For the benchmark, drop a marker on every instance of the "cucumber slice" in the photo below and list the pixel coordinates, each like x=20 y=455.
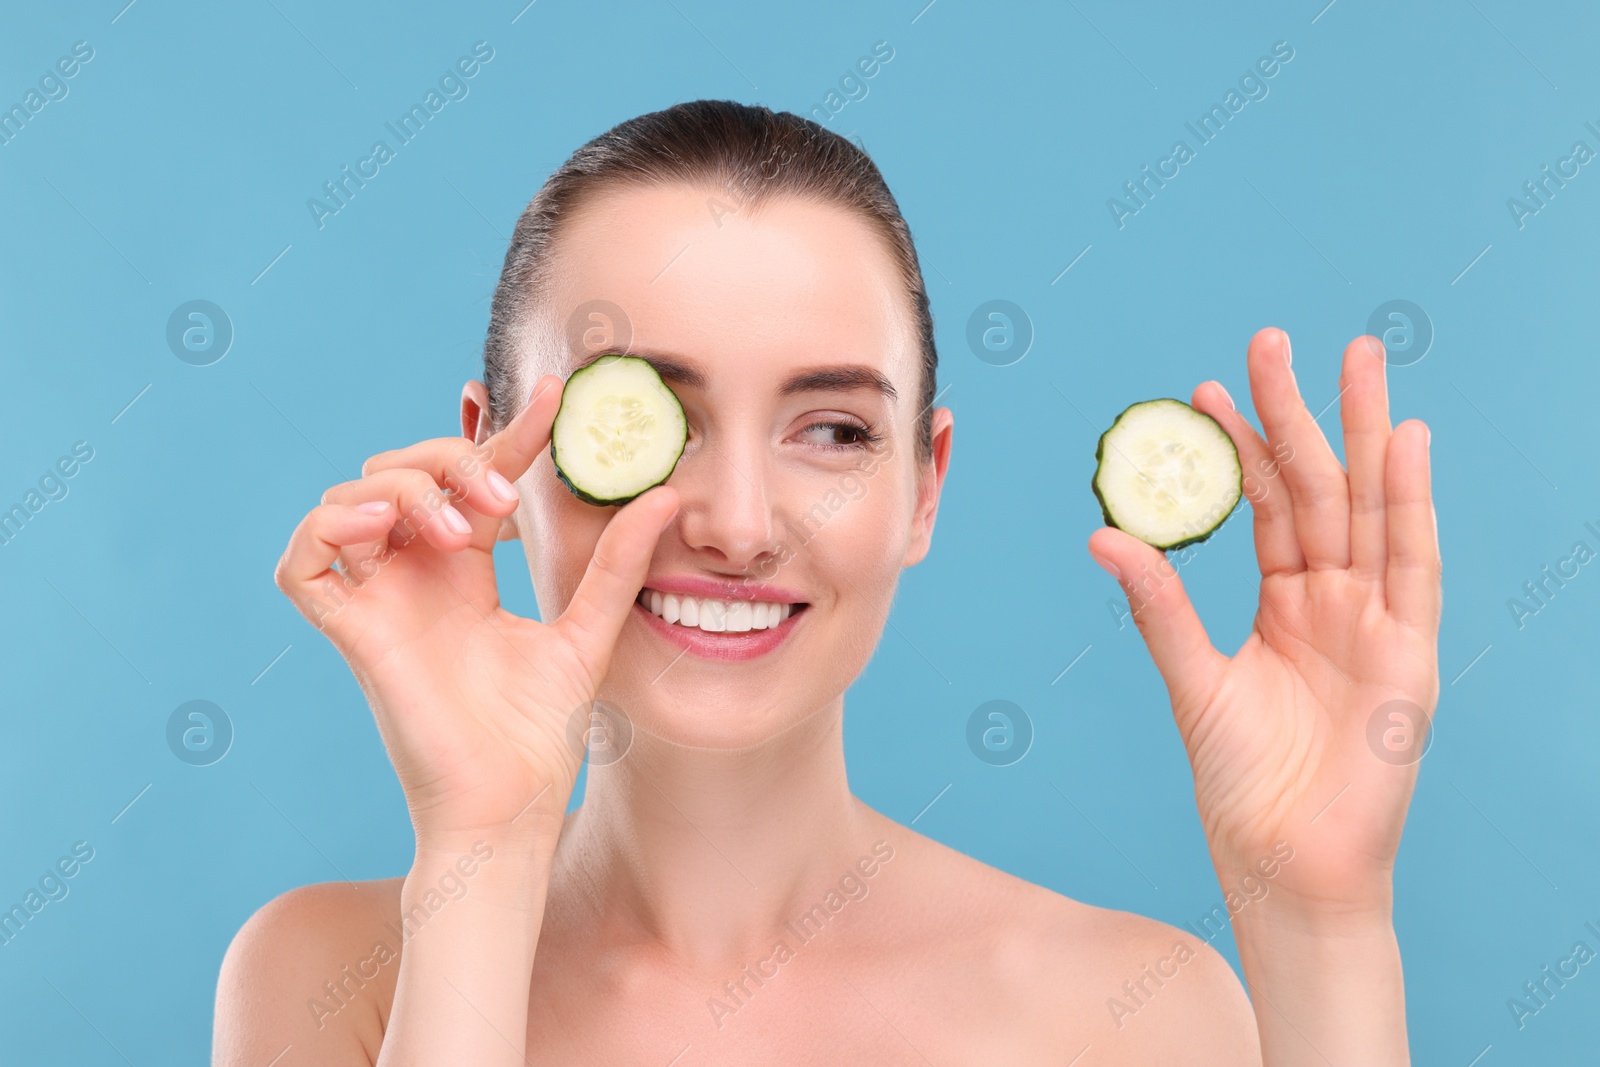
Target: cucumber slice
x=1167 y=474
x=619 y=431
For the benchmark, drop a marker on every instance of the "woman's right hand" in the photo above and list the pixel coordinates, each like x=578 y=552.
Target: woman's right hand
x=474 y=703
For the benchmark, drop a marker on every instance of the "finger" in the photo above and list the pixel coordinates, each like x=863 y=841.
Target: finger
x=1364 y=413
x=459 y=465
x=614 y=577
x=1413 y=572
x=423 y=507
x=316 y=543
x=1166 y=619
x=1317 y=486
x=513 y=450
x=360 y=562
x=1277 y=547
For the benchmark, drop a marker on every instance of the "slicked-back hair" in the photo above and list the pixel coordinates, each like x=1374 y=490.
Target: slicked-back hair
x=754 y=154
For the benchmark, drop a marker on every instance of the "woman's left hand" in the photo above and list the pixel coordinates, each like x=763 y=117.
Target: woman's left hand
x=1309 y=735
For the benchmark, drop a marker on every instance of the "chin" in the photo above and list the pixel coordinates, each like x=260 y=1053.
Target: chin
x=694 y=698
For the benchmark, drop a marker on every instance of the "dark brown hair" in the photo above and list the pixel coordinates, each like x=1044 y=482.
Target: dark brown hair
x=755 y=154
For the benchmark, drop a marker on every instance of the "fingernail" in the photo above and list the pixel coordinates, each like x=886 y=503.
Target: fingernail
x=1288 y=350
x=668 y=521
x=455 y=520
x=501 y=488
x=374 y=507
x=1110 y=568
x=1225 y=396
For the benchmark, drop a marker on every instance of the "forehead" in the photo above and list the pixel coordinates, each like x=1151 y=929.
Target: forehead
x=694 y=270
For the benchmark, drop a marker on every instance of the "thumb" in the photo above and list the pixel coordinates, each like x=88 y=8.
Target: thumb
x=1161 y=609
x=614 y=577
x=516 y=447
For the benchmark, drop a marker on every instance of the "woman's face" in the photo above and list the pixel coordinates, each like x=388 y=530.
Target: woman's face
x=787 y=334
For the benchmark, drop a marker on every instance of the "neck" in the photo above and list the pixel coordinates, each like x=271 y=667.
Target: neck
x=709 y=852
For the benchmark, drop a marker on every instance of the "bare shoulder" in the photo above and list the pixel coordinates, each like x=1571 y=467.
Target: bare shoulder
x=1071 y=975
x=310 y=977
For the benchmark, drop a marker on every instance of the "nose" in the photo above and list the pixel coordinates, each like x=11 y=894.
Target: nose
x=726 y=510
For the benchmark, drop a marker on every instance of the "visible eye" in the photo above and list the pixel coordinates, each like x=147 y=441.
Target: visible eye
x=840 y=435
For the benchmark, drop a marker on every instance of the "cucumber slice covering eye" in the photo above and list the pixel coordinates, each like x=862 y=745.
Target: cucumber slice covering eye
x=619 y=431
x=1167 y=474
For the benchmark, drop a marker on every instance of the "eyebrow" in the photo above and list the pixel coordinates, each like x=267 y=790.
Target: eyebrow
x=843 y=377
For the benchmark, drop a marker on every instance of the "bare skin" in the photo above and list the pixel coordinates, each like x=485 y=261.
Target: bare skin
x=629 y=931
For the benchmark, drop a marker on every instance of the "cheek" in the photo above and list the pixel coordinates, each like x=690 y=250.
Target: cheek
x=857 y=552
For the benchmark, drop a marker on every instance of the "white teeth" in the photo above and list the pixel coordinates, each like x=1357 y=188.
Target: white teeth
x=714 y=616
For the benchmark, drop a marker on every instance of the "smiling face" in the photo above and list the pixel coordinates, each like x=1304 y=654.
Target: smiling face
x=786 y=332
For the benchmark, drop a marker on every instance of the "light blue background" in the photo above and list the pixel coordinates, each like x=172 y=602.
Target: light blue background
x=179 y=167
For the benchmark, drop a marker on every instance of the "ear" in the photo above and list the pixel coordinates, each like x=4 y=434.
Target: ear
x=930 y=482
x=478 y=427
x=475 y=423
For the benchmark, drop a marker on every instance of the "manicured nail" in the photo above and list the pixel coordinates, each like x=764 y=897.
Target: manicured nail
x=455 y=520
x=501 y=488
x=374 y=507
x=1225 y=396
x=1288 y=350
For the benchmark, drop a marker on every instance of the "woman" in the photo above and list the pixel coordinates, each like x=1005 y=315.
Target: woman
x=720 y=896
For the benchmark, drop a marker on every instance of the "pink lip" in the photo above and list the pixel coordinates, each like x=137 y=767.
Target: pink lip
x=729 y=648
x=696 y=585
